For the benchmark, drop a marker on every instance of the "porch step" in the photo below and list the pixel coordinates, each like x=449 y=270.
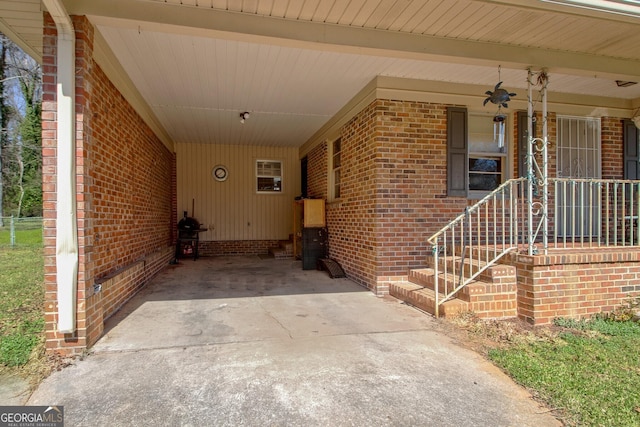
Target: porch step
x=493 y=274
x=284 y=251
x=492 y=299
x=477 y=252
x=425 y=299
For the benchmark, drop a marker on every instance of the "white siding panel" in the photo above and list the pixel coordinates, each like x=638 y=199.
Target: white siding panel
x=232 y=210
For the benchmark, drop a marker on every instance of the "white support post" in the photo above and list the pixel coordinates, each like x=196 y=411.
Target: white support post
x=545 y=167
x=530 y=171
x=537 y=174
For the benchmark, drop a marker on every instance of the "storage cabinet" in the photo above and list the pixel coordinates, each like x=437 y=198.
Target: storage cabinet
x=309 y=232
x=314 y=247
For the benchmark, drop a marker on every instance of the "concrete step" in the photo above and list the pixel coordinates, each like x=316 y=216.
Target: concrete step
x=424 y=299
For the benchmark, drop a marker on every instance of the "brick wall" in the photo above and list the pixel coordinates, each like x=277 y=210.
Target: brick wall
x=393 y=190
x=612 y=148
x=317 y=185
x=236 y=247
x=575 y=284
x=125 y=194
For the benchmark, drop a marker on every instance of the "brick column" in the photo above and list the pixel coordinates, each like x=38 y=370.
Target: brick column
x=89 y=322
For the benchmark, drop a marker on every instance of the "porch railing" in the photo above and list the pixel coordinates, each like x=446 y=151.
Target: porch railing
x=582 y=213
x=478 y=238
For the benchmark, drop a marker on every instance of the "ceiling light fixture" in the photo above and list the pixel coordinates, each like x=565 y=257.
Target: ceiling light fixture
x=244 y=116
x=622 y=83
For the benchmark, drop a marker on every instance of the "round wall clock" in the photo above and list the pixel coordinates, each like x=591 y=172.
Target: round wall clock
x=220 y=173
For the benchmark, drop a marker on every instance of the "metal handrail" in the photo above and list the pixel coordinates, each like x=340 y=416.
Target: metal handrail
x=492 y=224
x=582 y=212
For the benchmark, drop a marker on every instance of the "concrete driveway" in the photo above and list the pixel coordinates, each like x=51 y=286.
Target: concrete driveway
x=260 y=342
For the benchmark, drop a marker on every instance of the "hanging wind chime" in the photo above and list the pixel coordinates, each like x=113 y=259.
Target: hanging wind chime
x=500 y=97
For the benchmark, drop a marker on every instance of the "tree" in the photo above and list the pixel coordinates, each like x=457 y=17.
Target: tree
x=21 y=132
x=3 y=121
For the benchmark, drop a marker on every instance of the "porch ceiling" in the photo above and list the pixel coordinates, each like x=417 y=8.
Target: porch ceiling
x=195 y=65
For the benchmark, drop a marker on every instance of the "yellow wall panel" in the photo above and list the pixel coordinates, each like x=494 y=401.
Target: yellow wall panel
x=232 y=209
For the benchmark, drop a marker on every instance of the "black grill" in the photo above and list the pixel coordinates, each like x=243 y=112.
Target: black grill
x=188 y=237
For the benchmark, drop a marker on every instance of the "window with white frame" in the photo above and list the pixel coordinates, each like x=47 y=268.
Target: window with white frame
x=268 y=176
x=336 y=163
x=487 y=152
x=477 y=152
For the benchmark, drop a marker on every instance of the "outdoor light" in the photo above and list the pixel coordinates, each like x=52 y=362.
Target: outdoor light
x=244 y=116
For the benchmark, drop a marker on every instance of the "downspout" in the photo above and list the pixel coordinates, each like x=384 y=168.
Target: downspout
x=66 y=218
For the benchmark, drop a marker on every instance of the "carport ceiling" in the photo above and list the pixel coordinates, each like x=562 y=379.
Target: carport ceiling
x=292 y=64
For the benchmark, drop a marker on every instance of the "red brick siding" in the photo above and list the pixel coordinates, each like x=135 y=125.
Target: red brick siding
x=131 y=176
x=317 y=184
x=237 y=247
x=125 y=195
x=612 y=148
x=352 y=220
x=575 y=285
x=393 y=190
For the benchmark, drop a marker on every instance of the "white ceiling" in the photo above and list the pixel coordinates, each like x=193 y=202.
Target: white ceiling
x=294 y=63
x=197 y=86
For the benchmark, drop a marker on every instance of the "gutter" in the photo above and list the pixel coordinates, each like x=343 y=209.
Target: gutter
x=66 y=211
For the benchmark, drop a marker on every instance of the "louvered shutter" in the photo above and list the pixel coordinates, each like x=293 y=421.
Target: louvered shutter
x=631 y=156
x=457 y=152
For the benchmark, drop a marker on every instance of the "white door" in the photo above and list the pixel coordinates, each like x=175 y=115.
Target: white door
x=578 y=156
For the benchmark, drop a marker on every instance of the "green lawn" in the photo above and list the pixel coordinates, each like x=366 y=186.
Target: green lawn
x=21 y=300
x=24 y=237
x=590 y=371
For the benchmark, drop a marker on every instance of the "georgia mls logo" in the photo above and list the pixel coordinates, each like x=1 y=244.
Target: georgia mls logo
x=31 y=416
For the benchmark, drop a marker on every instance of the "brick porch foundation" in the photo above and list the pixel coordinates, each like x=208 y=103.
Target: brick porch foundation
x=576 y=283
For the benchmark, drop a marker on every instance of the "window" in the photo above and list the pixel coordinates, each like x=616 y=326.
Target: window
x=268 y=176
x=476 y=160
x=336 y=150
x=487 y=159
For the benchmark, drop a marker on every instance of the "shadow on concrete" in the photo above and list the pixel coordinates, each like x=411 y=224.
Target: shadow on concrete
x=224 y=278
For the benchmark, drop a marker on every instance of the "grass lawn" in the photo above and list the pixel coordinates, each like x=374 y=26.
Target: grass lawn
x=21 y=299
x=591 y=372
x=27 y=237
x=587 y=372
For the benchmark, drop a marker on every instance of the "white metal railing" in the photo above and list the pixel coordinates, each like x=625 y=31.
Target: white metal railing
x=594 y=212
x=582 y=213
x=479 y=237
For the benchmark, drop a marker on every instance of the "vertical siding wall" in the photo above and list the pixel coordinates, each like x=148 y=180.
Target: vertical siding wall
x=124 y=195
x=232 y=210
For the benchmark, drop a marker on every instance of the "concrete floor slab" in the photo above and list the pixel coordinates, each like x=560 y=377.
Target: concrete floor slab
x=245 y=341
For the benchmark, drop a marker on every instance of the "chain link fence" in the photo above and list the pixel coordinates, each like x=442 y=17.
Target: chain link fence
x=20 y=231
